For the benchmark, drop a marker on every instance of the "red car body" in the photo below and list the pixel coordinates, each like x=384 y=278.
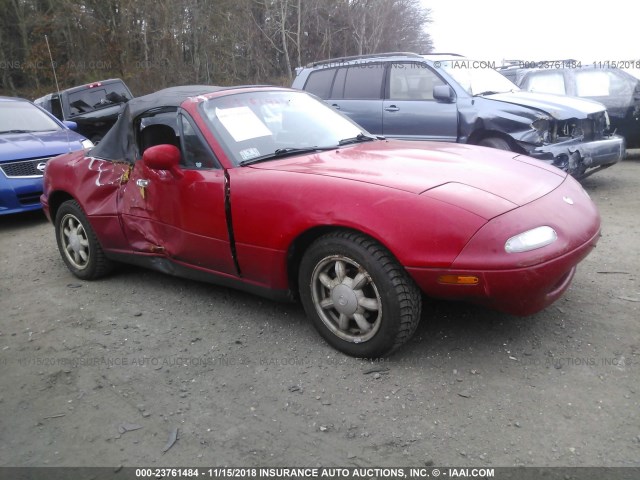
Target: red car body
x=444 y=211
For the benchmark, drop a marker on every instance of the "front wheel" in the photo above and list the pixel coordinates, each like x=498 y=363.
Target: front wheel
x=358 y=296
x=78 y=243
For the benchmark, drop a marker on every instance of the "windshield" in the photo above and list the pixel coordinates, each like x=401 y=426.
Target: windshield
x=481 y=80
x=22 y=116
x=259 y=124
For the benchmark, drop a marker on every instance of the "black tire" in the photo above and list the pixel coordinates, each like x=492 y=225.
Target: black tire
x=78 y=244
x=495 y=142
x=380 y=304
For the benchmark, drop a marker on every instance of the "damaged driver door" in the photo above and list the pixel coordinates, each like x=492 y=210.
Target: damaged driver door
x=177 y=213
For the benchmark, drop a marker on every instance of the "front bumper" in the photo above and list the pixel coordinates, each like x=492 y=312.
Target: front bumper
x=19 y=194
x=577 y=157
x=521 y=283
x=518 y=291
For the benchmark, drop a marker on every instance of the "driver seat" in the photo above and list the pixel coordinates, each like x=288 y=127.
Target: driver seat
x=158 y=134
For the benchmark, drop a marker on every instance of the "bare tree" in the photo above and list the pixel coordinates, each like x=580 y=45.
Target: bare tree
x=156 y=43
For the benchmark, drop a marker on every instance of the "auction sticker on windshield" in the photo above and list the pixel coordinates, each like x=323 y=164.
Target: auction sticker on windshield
x=242 y=123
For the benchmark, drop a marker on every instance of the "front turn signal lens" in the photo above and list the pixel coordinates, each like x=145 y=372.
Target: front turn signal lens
x=458 y=279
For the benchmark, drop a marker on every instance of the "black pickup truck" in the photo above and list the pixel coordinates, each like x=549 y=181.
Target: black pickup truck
x=94 y=107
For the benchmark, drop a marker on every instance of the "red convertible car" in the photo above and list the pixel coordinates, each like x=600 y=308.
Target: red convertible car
x=269 y=190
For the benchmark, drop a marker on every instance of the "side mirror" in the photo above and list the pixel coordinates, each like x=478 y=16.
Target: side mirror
x=163 y=157
x=443 y=93
x=70 y=125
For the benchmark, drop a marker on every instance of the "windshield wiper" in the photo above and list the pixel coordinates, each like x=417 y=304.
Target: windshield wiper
x=361 y=137
x=16 y=131
x=488 y=92
x=282 y=152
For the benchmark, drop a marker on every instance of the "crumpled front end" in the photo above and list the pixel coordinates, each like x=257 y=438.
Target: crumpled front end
x=580 y=147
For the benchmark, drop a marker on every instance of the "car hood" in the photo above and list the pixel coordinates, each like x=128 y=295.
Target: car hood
x=18 y=146
x=421 y=167
x=560 y=107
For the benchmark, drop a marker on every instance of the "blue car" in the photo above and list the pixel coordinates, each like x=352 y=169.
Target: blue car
x=29 y=137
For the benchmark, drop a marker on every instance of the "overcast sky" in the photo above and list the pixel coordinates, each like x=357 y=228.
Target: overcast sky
x=537 y=30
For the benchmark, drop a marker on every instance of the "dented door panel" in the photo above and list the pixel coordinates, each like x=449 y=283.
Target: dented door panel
x=180 y=218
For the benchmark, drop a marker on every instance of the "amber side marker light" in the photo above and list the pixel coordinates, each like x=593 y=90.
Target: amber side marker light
x=458 y=279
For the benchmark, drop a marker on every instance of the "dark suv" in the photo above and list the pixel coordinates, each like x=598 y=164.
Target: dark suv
x=453 y=99
x=615 y=89
x=94 y=107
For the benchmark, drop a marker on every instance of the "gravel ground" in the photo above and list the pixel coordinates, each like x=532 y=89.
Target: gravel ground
x=102 y=373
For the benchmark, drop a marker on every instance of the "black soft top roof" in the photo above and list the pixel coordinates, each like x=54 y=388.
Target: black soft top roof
x=118 y=144
x=169 y=97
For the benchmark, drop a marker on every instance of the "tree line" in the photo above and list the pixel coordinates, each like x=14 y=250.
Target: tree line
x=153 y=44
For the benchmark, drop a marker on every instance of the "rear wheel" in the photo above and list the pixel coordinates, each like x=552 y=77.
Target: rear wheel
x=78 y=243
x=358 y=296
x=495 y=142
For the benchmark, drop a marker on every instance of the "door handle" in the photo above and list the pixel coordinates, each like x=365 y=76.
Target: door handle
x=142 y=184
x=391 y=108
x=336 y=106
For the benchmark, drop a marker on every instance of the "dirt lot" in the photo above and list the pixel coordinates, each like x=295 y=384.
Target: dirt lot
x=249 y=382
